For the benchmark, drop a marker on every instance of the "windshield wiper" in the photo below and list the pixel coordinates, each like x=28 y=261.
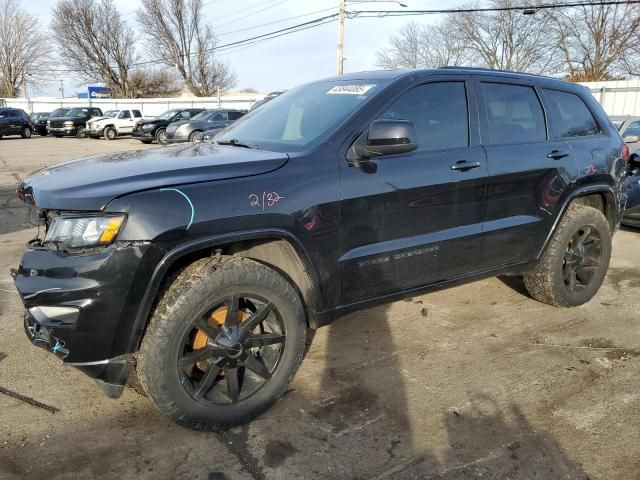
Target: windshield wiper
x=233 y=142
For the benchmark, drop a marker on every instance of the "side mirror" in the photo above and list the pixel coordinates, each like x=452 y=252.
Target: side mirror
x=387 y=137
x=631 y=139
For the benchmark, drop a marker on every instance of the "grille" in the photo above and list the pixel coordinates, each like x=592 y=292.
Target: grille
x=56 y=124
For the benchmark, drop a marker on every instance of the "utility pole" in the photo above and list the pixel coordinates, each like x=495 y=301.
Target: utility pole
x=61 y=89
x=340 y=69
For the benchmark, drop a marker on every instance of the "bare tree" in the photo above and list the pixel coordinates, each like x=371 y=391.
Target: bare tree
x=94 y=40
x=154 y=83
x=423 y=46
x=176 y=30
x=597 y=42
x=23 y=49
x=505 y=39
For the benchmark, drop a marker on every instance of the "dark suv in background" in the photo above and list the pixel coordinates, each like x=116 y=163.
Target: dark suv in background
x=40 y=123
x=73 y=122
x=151 y=129
x=14 y=121
x=202 y=266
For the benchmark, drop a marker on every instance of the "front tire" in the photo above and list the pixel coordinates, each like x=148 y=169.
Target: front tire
x=110 y=133
x=161 y=136
x=576 y=260
x=81 y=132
x=223 y=343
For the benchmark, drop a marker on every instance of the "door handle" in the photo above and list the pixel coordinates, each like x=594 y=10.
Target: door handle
x=557 y=154
x=464 y=165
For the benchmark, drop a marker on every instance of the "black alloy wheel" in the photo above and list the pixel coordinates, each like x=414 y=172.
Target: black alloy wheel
x=582 y=258
x=231 y=351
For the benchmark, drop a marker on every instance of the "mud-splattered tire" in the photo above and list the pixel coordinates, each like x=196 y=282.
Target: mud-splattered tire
x=241 y=376
x=576 y=260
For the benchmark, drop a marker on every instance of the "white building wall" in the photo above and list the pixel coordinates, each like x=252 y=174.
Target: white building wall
x=618 y=97
x=150 y=107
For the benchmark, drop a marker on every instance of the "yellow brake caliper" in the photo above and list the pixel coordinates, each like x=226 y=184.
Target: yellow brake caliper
x=216 y=319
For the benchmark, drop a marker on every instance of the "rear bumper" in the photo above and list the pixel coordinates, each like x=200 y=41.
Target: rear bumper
x=631 y=217
x=176 y=137
x=82 y=307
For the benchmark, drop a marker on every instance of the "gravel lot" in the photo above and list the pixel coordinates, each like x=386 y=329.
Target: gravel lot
x=474 y=381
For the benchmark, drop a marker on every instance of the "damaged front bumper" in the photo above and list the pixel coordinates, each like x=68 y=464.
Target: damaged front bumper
x=81 y=307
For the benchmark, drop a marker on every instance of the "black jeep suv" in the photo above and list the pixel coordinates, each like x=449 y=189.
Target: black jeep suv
x=151 y=129
x=201 y=266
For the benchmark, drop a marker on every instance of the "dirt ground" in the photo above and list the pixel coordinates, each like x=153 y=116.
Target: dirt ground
x=478 y=381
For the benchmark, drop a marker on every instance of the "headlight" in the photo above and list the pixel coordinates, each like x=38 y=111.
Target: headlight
x=148 y=126
x=84 y=231
x=69 y=124
x=49 y=122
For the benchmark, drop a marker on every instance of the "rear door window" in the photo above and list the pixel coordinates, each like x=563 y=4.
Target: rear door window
x=220 y=117
x=235 y=115
x=632 y=129
x=514 y=114
x=570 y=116
x=439 y=112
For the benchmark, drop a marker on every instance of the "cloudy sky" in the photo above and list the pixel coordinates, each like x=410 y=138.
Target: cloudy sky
x=283 y=62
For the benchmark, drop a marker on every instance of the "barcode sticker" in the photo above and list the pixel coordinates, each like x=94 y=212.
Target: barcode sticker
x=350 y=89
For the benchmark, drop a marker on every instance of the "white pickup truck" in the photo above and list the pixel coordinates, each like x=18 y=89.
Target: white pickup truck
x=113 y=123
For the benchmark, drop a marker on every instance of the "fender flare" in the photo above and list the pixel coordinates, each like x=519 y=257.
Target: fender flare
x=579 y=192
x=173 y=255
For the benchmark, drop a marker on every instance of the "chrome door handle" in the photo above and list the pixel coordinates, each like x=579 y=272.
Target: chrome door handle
x=463 y=165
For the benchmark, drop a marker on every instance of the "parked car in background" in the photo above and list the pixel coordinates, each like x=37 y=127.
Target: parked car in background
x=73 y=123
x=270 y=96
x=193 y=130
x=40 y=124
x=629 y=128
x=113 y=124
x=15 y=121
x=151 y=129
x=632 y=213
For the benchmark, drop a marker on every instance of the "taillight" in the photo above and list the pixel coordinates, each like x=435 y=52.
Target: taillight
x=624 y=152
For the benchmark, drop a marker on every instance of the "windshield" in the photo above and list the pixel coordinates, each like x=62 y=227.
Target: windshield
x=77 y=112
x=206 y=115
x=167 y=115
x=111 y=113
x=60 y=112
x=302 y=116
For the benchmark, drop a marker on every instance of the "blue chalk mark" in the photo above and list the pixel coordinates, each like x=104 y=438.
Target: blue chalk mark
x=193 y=210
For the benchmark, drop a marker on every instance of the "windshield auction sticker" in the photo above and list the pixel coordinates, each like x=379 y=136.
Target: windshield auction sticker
x=350 y=89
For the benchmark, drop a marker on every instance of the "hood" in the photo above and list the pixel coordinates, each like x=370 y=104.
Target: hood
x=65 y=119
x=191 y=123
x=97 y=119
x=144 y=121
x=91 y=183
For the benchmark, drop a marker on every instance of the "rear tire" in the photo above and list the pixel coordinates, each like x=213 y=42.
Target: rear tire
x=249 y=370
x=576 y=260
x=26 y=132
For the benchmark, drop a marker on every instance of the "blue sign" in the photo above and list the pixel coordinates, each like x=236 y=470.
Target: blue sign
x=99 y=92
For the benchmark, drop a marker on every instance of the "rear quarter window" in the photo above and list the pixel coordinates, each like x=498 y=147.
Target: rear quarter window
x=570 y=117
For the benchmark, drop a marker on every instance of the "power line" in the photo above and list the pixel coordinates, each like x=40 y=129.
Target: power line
x=316 y=22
